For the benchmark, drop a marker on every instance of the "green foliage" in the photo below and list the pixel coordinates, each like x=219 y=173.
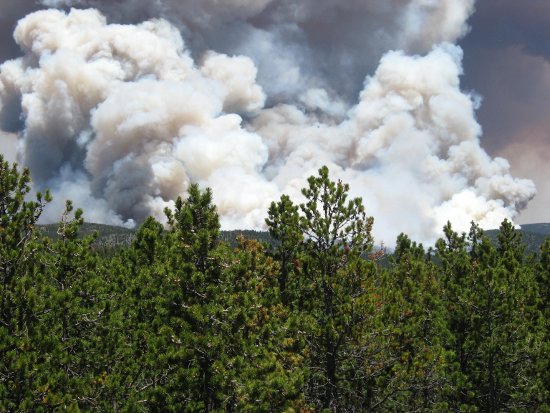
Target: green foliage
x=176 y=320
x=73 y=316
x=283 y=223
x=497 y=334
x=414 y=316
x=20 y=289
x=325 y=238
x=543 y=282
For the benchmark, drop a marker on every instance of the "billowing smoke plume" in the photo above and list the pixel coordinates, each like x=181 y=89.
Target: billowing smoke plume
x=297 y=45
x=250 y=98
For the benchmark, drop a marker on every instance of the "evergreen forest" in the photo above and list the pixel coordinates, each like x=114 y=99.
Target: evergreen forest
x=319 y=321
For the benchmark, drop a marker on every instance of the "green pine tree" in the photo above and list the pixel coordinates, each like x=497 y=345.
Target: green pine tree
x=411 y=371
x=495 y=324
x=327 y=238
x=20 y=289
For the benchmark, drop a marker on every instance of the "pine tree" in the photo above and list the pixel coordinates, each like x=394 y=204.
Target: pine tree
x=196 y=303
x=262 y=338
x=491 y=295
x=543 y=281
x=411 y=371
x=283 y=223
x=20 y=288
x=137 y=336
x=74 y=312
x=331 y=279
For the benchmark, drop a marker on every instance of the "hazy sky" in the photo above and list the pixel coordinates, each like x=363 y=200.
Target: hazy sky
x=93 y=129
x=507 y=61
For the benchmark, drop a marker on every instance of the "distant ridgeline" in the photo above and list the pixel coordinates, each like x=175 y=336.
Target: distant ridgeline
x=533 y=236
x=110 y=237
x=113 y=237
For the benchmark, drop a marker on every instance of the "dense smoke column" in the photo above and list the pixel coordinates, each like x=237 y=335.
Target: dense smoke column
x=122 y=118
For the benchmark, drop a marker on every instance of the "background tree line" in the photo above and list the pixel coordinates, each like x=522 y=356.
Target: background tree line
x=181 y=321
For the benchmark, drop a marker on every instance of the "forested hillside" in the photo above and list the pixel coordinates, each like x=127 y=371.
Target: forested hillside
x=180 y=321
x=110 y=238
x=533 y=236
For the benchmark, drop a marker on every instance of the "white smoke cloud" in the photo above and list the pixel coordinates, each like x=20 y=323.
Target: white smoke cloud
x=410 y=148
x=121 y=118
x=8 y=146
x=300 y=45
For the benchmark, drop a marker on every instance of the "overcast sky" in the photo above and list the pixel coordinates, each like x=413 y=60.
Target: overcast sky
x=506 y=62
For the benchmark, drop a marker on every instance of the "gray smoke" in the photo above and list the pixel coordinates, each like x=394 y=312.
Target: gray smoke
x=299 y=45
x=250 y=98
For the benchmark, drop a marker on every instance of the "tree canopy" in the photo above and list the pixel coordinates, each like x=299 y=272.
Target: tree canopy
x=181 y=321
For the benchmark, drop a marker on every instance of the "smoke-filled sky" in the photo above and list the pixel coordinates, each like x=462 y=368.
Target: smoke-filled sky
x=430 y=110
